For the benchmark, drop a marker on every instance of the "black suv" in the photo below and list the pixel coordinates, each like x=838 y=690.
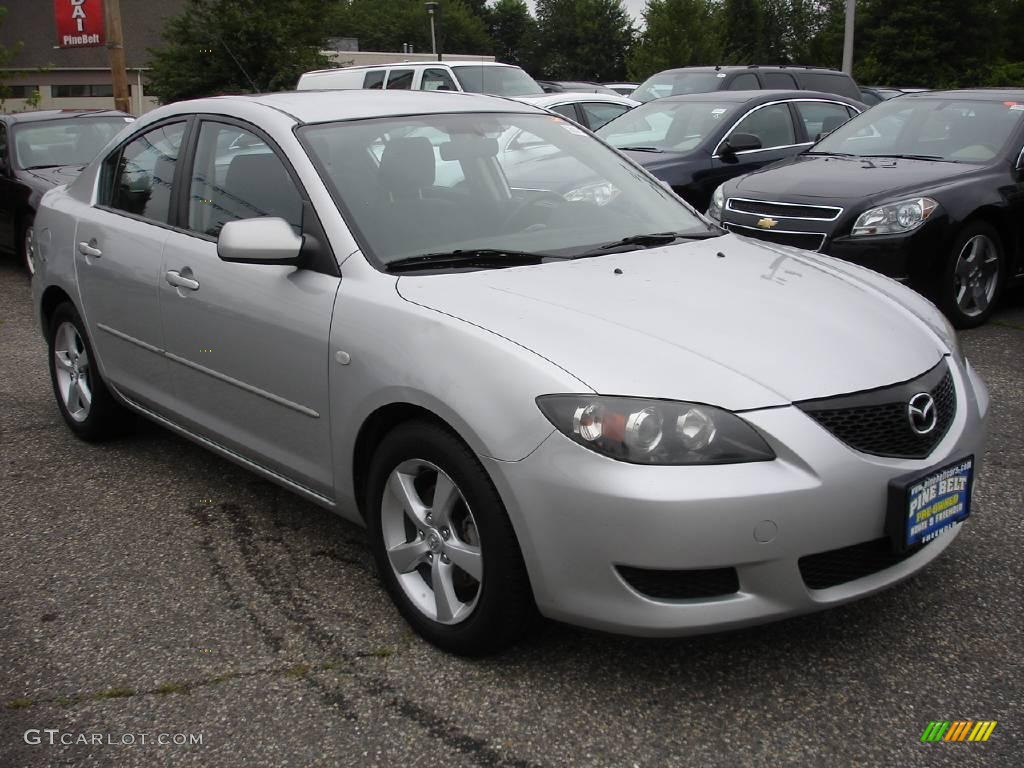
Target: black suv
x=677 y=82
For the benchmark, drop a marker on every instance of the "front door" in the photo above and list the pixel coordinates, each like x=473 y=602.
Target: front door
x=248 y=344
x=119 y=253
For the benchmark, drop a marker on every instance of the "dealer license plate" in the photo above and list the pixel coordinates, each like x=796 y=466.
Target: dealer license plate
x=922 y=507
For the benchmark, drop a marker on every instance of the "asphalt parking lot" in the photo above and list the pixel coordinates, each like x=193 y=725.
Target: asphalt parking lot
x=148 y=587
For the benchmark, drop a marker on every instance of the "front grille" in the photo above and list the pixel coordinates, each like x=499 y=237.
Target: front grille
x=784 y=210
x=838 y=566
x=878 y=421
x=809 y=241
x=681 y=585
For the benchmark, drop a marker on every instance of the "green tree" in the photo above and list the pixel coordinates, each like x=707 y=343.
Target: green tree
x=584 y=39
x=514 y=32
x=384 y=25
x=226 y=46
x=743 y=32
x=677 y=33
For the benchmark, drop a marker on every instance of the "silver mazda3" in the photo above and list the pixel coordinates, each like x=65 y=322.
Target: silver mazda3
x=540 y=380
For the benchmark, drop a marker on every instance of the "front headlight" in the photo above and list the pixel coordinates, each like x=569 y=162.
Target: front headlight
x=894 y=218
x=598 y=194
x=655 y=431
x=717 y=205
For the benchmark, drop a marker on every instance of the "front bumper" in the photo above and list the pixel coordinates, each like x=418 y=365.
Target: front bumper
x=916 y=258
x=579 y=514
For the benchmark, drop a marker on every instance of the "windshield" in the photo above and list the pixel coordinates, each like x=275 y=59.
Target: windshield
x=668 y=126
x=676 y=84
x=513 y=182
x=963 y=131
x=500 y=81
x=65 y=141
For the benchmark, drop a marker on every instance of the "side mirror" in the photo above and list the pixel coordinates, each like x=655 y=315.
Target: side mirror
x=266 y=240
x=739 y=142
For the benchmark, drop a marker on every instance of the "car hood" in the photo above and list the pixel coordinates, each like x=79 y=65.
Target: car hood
x=725 y=321
x=845 y=178
x=47 y=178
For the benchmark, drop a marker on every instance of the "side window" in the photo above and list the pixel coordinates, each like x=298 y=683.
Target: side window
x=437 y=80
x=567 y=110
x=820 y=117
x=143 y=172
x=374 y=79
x=237 y=176
x=772 y=125
x=598 y=113
x=781 y=80
x=745 y=82
x=3 y=146
x=400 y=79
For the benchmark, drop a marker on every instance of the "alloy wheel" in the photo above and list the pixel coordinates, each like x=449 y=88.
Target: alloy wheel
x=431 y=541
x=72 y=370
x=976 y=275
x=28 y=245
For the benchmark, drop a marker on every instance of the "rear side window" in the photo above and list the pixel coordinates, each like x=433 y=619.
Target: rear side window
x=437 y=80
x=598 y=113
x=829 y=82
x=566 y=110
x=374 y=79
x=745 y=82
x=821 y=117
x=780 y=80
x=400 y=79
x=143 y=172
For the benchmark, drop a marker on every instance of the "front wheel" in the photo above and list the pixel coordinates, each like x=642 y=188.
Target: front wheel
x=443 y=543
x=973 y=277
x=26 y=247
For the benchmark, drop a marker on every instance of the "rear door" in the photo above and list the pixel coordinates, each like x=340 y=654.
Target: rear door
x=119 y=253
x=248 y=344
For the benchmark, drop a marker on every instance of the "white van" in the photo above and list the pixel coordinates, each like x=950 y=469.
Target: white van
x=474 y=76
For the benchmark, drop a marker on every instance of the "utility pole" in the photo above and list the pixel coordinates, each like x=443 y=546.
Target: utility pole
x=434 y=10
x=851 y=6
x=115 y=44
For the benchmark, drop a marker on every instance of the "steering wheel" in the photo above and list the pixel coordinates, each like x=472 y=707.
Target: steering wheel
x=548 y=199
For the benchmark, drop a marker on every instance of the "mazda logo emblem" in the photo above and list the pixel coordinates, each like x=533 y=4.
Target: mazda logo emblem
x=922 y=413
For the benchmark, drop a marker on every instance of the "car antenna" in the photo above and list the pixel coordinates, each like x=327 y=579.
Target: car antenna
x=237 y=63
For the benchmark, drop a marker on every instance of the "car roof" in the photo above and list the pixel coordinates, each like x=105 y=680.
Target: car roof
x=743 y=97
x=447 y=63
x=751 y=68
x=60 y=114
x=321 y=106
x=976 y=94
x=547 y=99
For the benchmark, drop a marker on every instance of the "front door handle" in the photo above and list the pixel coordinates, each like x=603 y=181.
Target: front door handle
x=178 y=280
x=90 y=249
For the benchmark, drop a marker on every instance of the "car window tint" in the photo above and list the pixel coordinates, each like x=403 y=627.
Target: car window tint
x=237 y=176
x=598 y=113
x=3 y=144
x=566 y=110
x=782 y=80
x=820 y=117
x=400 y=79
x=772 y=125
x=745 y=82
x=829 y=83
x=437 y=80
x=374 y=79
x=145 y=171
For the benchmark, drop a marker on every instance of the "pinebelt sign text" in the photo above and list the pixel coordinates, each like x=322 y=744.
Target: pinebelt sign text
x=79 y=23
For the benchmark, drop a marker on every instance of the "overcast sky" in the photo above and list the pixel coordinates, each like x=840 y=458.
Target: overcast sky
x=633 y=6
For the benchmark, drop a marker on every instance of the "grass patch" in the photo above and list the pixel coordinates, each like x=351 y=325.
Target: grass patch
x=19 y=703
x=167 y=688
x=384 y=652
x=115 y=693
x=299 y=671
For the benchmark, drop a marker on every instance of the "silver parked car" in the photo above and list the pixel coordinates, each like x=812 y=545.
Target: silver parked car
x=588 y=401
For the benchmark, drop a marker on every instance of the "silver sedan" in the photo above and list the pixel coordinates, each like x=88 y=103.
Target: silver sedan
x=544 y=387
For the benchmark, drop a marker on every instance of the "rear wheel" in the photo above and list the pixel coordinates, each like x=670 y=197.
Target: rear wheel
x=86 y=404
x=974 y=276
x=443 y=543
x=26 y=246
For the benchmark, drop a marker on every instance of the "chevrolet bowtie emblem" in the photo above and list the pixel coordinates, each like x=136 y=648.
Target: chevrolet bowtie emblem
x=767 y=223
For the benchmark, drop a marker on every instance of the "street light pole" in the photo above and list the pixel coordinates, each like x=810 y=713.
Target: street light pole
x=851 y=6
x=432 y=9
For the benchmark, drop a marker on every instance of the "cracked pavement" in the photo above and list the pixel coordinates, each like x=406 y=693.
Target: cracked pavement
x=149 y=587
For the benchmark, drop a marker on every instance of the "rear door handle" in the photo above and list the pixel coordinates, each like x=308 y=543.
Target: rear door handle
x=89 y=249
x=178 y=280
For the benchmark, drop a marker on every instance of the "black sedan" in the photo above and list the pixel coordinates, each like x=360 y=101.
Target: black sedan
x=38 y=151
x=927 y=188
x=696 y=142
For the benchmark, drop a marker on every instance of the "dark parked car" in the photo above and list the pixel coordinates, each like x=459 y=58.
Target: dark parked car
x=685 y=80
x=927 y=188
x=38 y=151
x=876 y=94
x=694 y=143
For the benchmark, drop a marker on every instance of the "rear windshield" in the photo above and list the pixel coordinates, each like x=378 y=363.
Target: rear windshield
x=500 y=81
x=676 y=83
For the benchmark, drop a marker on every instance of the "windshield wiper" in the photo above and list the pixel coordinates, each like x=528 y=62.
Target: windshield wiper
x=470 y=257
x=51 y=165
x=910 y=157
x=650 y=240
x=833 y=154
x=642 y=149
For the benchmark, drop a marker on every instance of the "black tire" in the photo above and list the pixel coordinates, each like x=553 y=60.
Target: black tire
x=20 y=247
x=105 y=417
x=504 y=608
x=951 y=283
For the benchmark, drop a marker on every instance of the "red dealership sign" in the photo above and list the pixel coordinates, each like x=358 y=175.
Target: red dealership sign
x=79 y=23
